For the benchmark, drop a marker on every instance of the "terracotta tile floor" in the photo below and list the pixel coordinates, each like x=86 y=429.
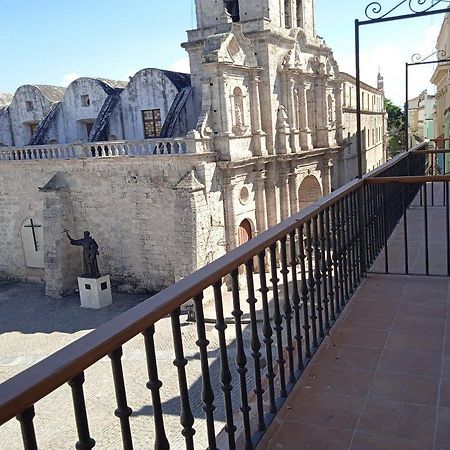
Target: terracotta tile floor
x=381 y=379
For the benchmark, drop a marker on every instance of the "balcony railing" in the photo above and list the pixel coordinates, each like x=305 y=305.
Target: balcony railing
x=169 y=146
x=300 y=274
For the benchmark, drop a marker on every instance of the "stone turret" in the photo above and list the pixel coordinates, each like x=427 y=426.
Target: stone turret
x=380 y=81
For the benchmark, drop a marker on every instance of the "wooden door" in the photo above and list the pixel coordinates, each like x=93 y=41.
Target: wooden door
x=245 y=234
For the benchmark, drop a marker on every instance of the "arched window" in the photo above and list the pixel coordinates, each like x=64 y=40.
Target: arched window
x=309 y=191
x=287 y=14
x=299 y=7
x=232 y=7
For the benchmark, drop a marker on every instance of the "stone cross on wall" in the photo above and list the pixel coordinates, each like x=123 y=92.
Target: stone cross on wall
x=32 y=241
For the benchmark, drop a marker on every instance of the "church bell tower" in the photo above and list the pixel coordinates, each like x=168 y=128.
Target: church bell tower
x=284 y=14
x=264 y=82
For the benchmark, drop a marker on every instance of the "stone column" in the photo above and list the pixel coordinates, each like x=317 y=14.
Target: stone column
x=326 y=174
x=293 y=192
x=304 y=130
x=229 y=214
x=284 y=191
x=255 y=106
x=322 y=113
x=293 y=138
x=271 y=198
x=225 y=103
x=260 y=199
x=282 y=138
x=337 y=92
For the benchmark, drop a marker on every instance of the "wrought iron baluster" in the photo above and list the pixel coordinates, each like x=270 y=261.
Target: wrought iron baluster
x=27 y=428
x=296 y=302
x=324 y=269
x=287 y=310
x=85 y=442
x=255 y=345
x=425 y=213
x=207 y=392
x=154 y=385
x=344 y=243
x=340 y=252
x=380 y=217
x=241 y=359
x=369 y=224
x=349 y=243
x=336 y=271
x=311 y=283
x=225 y=372
x=405 y=227
x=180 y=362
x=267 y=331
x=385 y=229
x=123 y=411
x=304 y=291
x=354 y=227
x=317 y=275
x=447 y=224
x=432 y=184
x=329 y=264
x=277 y=320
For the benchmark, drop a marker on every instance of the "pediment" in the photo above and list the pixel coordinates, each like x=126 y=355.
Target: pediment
x=189 y=182
x=229 y=46
x=295 y=58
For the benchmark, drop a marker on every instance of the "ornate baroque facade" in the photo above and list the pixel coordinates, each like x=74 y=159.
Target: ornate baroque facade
x=269 y=119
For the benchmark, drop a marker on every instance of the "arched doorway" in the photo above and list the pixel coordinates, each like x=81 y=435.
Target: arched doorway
x=244 y=235
x=244 y=231
x=309 y=191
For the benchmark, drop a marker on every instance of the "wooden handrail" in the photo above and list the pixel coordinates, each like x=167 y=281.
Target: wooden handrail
x=418 y=179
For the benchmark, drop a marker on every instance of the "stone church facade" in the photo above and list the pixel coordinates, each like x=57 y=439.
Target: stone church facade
x=261 y=129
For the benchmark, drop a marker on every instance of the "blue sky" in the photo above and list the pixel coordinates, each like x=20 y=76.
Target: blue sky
x=53 y=42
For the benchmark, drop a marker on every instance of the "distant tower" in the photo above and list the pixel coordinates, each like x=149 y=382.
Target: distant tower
x=380 y=81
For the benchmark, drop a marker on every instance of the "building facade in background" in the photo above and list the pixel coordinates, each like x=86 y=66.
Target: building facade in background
x=421 y=113
x=441 y=79
x=170 y=171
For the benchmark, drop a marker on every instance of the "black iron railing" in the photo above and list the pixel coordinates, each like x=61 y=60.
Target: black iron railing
x=415 y=200
x=296 y=279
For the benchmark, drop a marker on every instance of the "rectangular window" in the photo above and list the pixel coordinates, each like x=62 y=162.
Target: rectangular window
x=152 y=123
x=85 y=101
x=89 y=126
x=33 y=127
x=29 y=106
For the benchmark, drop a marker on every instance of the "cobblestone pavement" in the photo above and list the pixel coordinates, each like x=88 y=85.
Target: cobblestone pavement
x=33 y=326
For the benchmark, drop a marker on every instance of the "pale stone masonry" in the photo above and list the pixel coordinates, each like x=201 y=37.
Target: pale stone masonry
x=259 y=130
x=441 y=79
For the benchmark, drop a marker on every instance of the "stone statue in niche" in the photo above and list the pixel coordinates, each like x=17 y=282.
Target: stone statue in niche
x=239 y=128
x=90 y=252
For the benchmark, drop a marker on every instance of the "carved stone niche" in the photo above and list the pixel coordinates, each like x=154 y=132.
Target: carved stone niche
x=239 y=127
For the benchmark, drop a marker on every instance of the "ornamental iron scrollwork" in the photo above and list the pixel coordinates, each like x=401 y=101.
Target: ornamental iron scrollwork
x=376 y=11
x=440 y=55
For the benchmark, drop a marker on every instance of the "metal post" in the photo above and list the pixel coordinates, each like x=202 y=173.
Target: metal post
x=358 y=101
x=406 y=107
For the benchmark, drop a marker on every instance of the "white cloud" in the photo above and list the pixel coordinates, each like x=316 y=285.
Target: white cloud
x=182 y=65
x=69 y=77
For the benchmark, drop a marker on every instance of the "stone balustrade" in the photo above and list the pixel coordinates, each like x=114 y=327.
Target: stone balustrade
x=147 y=147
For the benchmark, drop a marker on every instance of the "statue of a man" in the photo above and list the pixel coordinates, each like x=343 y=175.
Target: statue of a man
x=90 y=252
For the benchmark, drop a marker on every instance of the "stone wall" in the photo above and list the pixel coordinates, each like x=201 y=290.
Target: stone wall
x=135 y=208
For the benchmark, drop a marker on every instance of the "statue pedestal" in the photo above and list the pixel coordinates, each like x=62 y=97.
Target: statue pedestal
x=95 y=293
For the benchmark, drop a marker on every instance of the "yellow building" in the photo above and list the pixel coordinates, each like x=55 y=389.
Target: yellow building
x=441 y=78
